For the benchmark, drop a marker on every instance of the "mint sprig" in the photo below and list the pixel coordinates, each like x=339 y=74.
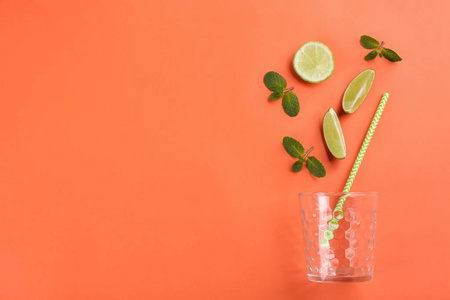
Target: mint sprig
x=298 y=165
x=371 y=55
x=371 y=43
x=277 y=84
x=290 y=104
x=295 y=149
x=315 y=167
x=390 y=55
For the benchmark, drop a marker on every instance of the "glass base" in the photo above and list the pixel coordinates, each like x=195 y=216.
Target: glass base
x=340 y=279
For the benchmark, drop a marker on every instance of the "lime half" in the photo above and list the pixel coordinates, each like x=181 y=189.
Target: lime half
x=357 y=91
x=333 y=135
x=313 y=62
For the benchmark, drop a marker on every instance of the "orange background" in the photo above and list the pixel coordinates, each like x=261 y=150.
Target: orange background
x=141 y=157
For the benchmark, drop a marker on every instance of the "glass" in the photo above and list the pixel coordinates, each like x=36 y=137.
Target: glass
x=350 y=257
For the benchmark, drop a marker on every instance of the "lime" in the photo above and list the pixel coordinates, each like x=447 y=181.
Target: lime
x=357 y=90
x=334 y=137
x=313 y=62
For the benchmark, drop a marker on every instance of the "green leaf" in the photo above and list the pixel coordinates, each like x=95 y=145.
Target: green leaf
x=290 y=104
x=298 y=165
x=293 y=147
x=390 y=55
x=275 y=96
x=369 y=42
x=380 y=54
x=315 y=167
x=275 y=82
x=371 y=55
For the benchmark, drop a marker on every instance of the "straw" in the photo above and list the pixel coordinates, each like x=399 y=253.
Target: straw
x=338 y=212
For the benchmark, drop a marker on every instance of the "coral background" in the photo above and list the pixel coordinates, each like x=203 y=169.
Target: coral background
x=140 y=157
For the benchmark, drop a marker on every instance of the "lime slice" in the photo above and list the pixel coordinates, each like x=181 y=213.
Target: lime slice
x=334 y=137
x=357 y=91
x=313 y=62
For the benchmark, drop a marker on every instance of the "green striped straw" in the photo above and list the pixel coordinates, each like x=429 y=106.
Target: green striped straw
x=338 y=212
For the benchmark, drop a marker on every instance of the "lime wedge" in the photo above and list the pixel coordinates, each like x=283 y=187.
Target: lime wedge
x=334 y=137
x=313 y=62
x=357 y=90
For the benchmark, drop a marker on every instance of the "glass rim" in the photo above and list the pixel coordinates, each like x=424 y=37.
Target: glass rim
x=338 y=193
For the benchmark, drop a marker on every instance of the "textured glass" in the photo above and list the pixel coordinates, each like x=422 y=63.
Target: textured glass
x=350 y=257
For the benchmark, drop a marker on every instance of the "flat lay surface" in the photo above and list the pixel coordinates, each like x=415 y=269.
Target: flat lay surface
x=141 y=157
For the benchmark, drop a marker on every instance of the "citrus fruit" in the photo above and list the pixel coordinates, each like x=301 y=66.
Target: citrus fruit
x=313 y=62
x=333 y=135
x=357 y=90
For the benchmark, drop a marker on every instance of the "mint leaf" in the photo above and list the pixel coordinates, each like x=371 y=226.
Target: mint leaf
x=275 y=96
x=298 y=165
x=390 y=55
x=293 y=147
x=371 y=55
x=275 y=82
x=290 y=104
x=369 y=42
x=315 y=167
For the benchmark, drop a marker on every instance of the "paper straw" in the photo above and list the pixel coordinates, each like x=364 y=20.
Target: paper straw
x=338 y=212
